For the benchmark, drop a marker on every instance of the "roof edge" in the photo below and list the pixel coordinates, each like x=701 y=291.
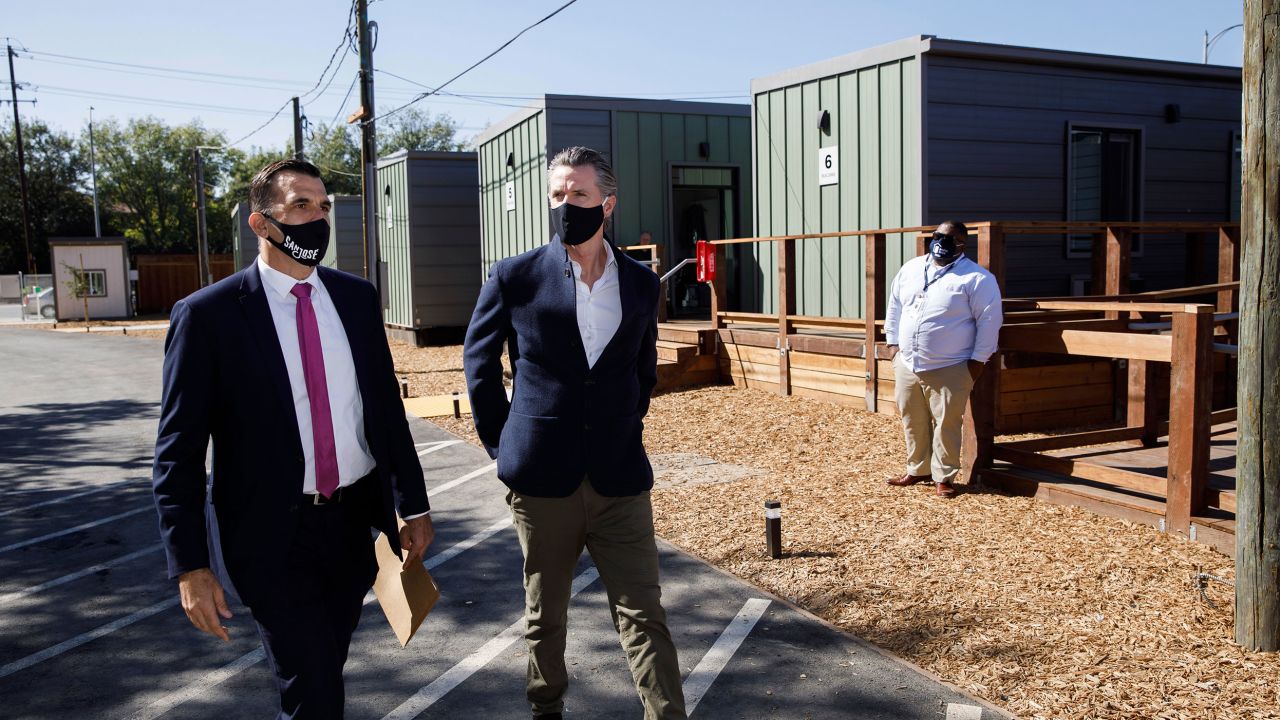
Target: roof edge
x=510 y=121
x=1073 y=58
x=877 y=55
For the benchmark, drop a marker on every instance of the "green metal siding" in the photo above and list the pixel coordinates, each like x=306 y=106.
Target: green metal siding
x=394 y=241
x=505 y=232
x=875 y=122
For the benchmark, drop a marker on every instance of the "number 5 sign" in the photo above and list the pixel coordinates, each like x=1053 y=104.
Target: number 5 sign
x=829 y=165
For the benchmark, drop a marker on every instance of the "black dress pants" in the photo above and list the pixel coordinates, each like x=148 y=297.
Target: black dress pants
x=307 y=623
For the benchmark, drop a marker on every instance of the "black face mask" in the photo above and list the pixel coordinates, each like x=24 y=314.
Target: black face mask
x=576 y=225
x=943 y=248
x=305 y=243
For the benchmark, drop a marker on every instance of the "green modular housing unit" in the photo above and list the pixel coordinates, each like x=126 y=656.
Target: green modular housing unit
x=244 y=243
x=925 y=129
x=683 y=169
x=429 y=238
x=346 y=236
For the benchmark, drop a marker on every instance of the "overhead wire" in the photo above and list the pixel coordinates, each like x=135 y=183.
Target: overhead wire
x=474 y=65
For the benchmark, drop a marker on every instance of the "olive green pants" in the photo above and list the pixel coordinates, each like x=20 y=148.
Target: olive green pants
x=618 y=532
x=932 y=403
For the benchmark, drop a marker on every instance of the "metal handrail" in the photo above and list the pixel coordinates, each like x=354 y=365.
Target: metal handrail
x=676 y=269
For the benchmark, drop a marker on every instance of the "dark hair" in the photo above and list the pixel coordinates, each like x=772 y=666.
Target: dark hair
x=958 y=230
x=262 y=191
x=579 y=156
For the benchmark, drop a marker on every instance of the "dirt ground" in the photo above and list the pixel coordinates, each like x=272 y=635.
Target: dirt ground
x=1050 y=612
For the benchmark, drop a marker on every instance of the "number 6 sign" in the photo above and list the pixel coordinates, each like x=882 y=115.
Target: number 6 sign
x=829 y=165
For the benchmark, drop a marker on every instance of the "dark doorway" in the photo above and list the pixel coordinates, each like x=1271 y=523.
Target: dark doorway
x=704 y=202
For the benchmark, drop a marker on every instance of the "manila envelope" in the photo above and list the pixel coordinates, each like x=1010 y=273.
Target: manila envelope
x=406 y=596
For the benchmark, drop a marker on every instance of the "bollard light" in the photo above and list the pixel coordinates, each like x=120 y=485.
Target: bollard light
x=773 y=528
x=404 y=387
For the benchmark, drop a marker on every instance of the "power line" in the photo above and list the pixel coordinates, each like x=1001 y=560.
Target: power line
x=161 y=68
x=258 y=129
x=346 y=39
x=343 y=104
x=446 y=83
x=451 y=94
x=181 y=104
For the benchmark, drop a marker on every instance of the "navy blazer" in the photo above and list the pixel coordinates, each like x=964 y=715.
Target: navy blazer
x=225 y=379
x=565 y=421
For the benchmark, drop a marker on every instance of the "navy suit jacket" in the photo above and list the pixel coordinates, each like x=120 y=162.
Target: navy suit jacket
x=565 y=421
x=225 y=379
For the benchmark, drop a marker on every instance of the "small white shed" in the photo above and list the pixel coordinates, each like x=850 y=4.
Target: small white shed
x=105 y=262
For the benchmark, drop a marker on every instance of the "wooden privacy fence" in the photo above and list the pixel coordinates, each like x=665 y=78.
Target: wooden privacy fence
x=165 y=279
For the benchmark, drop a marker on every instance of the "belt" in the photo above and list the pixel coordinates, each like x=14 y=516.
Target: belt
x=318 y=499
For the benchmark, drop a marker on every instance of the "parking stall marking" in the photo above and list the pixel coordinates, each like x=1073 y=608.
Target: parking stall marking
x=10 y=597
x=64 y=498
x=469 y=476
x=77 y=528
x=81 y=639
x=435 y=446
x=208 y=682
x=471 y=664
x=707 y=669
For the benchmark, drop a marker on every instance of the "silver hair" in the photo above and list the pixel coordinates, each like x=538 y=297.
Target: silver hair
x=579 y=156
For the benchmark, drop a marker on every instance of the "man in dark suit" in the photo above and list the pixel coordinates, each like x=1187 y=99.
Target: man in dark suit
x=578 y=319
x=286 y=367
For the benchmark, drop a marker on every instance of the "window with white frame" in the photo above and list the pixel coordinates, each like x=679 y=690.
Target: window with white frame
x=95 y=282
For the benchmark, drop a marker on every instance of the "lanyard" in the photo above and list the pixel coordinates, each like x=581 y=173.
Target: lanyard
x=928 y=282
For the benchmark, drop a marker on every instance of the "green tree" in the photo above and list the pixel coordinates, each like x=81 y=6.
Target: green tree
x=60 y=205
x=145 y=171
x=414 y=129
x=334 y=149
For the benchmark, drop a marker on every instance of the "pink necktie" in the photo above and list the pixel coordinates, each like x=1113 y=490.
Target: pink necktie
x=326 y=453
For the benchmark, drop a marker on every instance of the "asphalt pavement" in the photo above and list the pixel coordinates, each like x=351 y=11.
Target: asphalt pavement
x=90 y=626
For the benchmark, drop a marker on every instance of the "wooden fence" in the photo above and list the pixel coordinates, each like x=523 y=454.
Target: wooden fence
x=165 y=279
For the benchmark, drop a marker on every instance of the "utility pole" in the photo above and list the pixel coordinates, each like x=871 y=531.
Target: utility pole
x=368 y=148
x=1258 y=395
x=297 y=132
x=93 y=172
x=202 y=234
x=22 y=166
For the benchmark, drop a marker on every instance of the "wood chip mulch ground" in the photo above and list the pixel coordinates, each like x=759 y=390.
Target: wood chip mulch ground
x=1047 y=611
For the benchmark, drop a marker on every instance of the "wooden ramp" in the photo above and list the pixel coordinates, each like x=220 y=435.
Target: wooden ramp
x=1052 y=481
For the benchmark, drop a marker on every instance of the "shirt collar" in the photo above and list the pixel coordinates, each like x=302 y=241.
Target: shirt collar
x=612 y=261
x=281 y=284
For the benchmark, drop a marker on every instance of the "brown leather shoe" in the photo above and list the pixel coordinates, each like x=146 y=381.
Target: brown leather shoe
x=944 y=489
x=906 y=479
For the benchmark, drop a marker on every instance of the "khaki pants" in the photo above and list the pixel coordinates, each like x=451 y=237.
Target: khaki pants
x=618 y=532
x=931 y=403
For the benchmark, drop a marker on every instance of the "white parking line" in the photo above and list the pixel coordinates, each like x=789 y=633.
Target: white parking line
x=956 y=711
x=699 y=681
x=211 y=680
x=81 y=639
x=436 y=446
x=64 y=498
x=10 y=597
x=471 y=664
x=78 y=528
x=473 y=474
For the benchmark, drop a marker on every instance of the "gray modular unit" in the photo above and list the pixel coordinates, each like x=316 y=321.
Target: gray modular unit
x=429 y=238
x=683 y=168
x=928 y=129
x=244 y=242
x=346 y=237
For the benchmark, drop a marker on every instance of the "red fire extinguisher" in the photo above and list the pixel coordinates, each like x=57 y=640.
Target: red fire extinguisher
x=706 y=255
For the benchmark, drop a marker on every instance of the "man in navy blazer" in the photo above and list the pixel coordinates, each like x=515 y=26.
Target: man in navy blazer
x=285 y=366
x=578 y=319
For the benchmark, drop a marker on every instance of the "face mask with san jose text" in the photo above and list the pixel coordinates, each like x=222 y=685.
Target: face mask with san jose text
x=576 y=225
x=305 y=243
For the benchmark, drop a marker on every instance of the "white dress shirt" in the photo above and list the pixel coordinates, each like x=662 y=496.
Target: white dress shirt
x=599 y=308
x=345 y=404
x=943 y=316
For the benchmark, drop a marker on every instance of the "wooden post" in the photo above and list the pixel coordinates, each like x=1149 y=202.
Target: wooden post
x=719 y=298
x=873 y=306
x=786 y=306
x=1190 y=402
x=991 y=251
x=1141 y=409
x=1229 y=271
x=1258 y=453
x=1119 y=243
x=655 y=254
x=1098 y=265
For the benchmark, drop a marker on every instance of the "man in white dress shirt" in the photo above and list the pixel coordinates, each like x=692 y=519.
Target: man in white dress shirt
x=285 y=367
x=941 y=327
x=578 y=319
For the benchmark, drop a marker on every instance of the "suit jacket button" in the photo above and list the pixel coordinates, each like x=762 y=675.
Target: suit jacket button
x=587 y=426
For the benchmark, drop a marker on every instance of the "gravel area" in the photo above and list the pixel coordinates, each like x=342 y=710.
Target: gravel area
x=1048 y=611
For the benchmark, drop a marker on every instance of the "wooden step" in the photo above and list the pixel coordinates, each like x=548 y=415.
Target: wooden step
x=675 y=352
x=681 y=333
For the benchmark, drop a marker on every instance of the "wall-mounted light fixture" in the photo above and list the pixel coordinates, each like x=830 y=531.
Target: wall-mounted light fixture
x=1172 y=113
x=511 y=160
x=824 y=122
x=704 y=150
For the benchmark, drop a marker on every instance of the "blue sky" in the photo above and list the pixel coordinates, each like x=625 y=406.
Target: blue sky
x=657 y=48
